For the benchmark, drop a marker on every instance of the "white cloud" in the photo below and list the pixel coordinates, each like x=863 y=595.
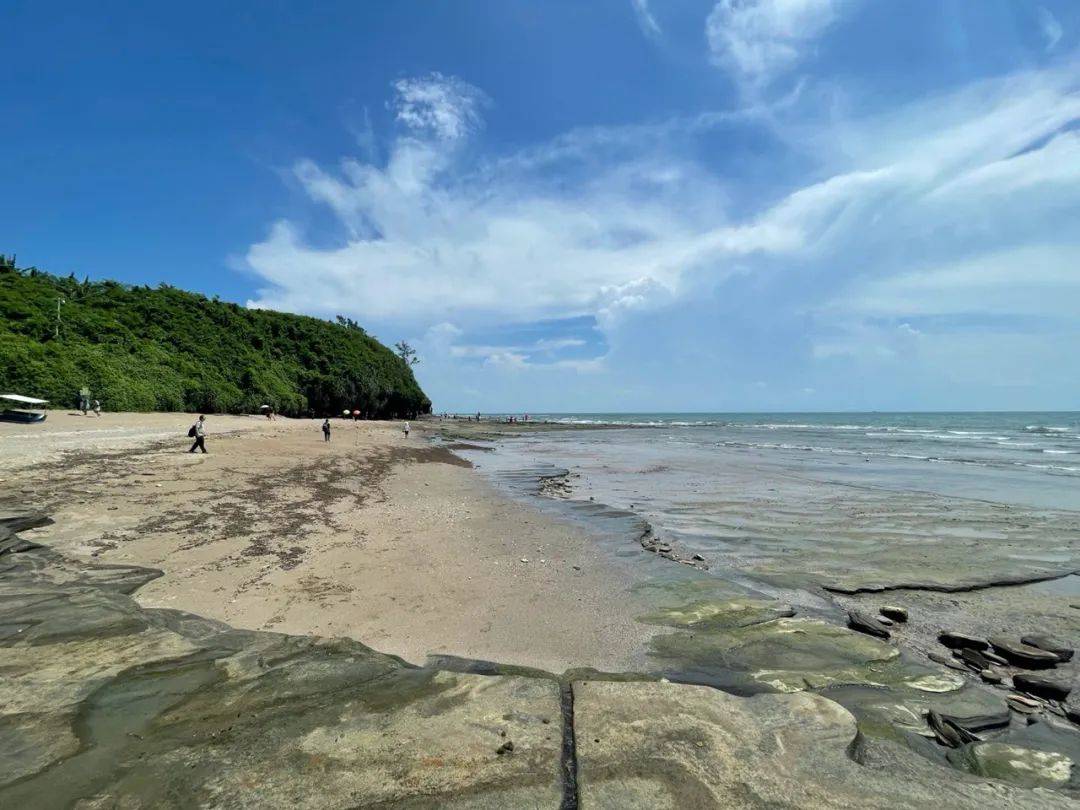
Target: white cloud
x=759 y=39
x=1051 y=28
x=645 y=18
x=947 y=207
x=443 y=106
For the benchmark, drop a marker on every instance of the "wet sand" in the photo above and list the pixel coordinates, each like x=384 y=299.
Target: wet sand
x=372 y=536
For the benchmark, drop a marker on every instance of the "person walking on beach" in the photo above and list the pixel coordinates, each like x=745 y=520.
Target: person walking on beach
x=97 y=409
x=326 y=430
x=406 y=429
x=198 y=430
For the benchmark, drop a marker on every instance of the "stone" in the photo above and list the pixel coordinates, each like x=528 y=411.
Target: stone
x=1071 y=706
x=1019 y=765
x=1046 y=686
x=1048 y=644
x=994 y=658
x=669 y=746
x=973 y=658
x=1023 y=704
x=946 y=732
x=894 y=612
x=980 y=722
x=857 y=620
x=1022 y=654
x=957 y=640
x=991 y=675
x=947 y=661
x=885 y=620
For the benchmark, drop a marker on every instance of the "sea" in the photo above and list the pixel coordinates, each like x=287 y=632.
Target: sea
x=1021 y=458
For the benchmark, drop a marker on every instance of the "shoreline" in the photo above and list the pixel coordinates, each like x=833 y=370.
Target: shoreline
x=401 y=545
x=396 y=543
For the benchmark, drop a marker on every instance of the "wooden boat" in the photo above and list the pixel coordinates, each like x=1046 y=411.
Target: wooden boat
x=21 y=415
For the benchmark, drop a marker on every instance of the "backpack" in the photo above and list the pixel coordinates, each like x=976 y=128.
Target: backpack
x=191 y=432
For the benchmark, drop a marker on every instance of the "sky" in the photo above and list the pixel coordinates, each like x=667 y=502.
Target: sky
x=620 y=205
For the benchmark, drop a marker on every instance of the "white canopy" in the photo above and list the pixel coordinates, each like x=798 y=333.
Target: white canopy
x=22 y=399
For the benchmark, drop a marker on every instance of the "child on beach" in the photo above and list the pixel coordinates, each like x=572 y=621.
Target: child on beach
x=406 y=429
x=326 y=430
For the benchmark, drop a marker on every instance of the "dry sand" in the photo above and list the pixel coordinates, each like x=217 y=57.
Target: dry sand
x=387 y=540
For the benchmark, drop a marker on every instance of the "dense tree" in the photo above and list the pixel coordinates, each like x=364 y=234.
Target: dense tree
x=145 y=349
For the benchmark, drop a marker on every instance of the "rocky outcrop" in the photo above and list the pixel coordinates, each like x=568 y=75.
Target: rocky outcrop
x=108 y=704
x=661 y=746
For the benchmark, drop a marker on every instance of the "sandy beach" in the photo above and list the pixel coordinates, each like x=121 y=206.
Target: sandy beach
x=372 y=536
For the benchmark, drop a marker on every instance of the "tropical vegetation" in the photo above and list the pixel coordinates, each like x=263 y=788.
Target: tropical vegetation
x=141 y=348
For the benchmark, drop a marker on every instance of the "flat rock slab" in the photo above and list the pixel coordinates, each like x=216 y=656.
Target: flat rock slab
x=957 y=641
x=1022 y=654
x=108 y=704
x=1019 y=765
x=1053 y=686
x=657 y=746
x=1042 y=642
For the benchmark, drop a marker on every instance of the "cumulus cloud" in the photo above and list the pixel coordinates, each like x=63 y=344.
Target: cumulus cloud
x=759 y=39
x=920 y=219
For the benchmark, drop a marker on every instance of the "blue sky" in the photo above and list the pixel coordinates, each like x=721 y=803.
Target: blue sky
x=623 y=205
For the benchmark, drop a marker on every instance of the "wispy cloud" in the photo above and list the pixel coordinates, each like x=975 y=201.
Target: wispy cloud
x=645 y=18
x=443 y=106
x=944 y=208
x=759 y=39
x=1051 y=28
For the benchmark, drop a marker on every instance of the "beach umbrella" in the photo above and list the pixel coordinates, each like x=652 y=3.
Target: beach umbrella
x=345 y=412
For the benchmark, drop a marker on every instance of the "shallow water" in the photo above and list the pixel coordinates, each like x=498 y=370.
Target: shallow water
x=1028 y=458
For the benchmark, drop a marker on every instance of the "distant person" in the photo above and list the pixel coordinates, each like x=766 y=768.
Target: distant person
x=326 y=430
x=198 y=431
x=406 y=429
x=97 y=409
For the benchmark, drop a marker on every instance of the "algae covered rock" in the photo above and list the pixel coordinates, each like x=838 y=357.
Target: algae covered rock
x=108 y=704
x=658 y=745
x=1021 y=766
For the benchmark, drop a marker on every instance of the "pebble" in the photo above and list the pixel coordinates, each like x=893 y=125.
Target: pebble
x=1023 y=704
x=894 y=612
x=992 y=675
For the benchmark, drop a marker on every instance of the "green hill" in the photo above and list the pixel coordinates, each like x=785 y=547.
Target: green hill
x=163 y=349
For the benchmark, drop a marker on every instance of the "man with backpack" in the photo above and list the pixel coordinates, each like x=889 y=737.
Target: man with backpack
x=198 y=432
